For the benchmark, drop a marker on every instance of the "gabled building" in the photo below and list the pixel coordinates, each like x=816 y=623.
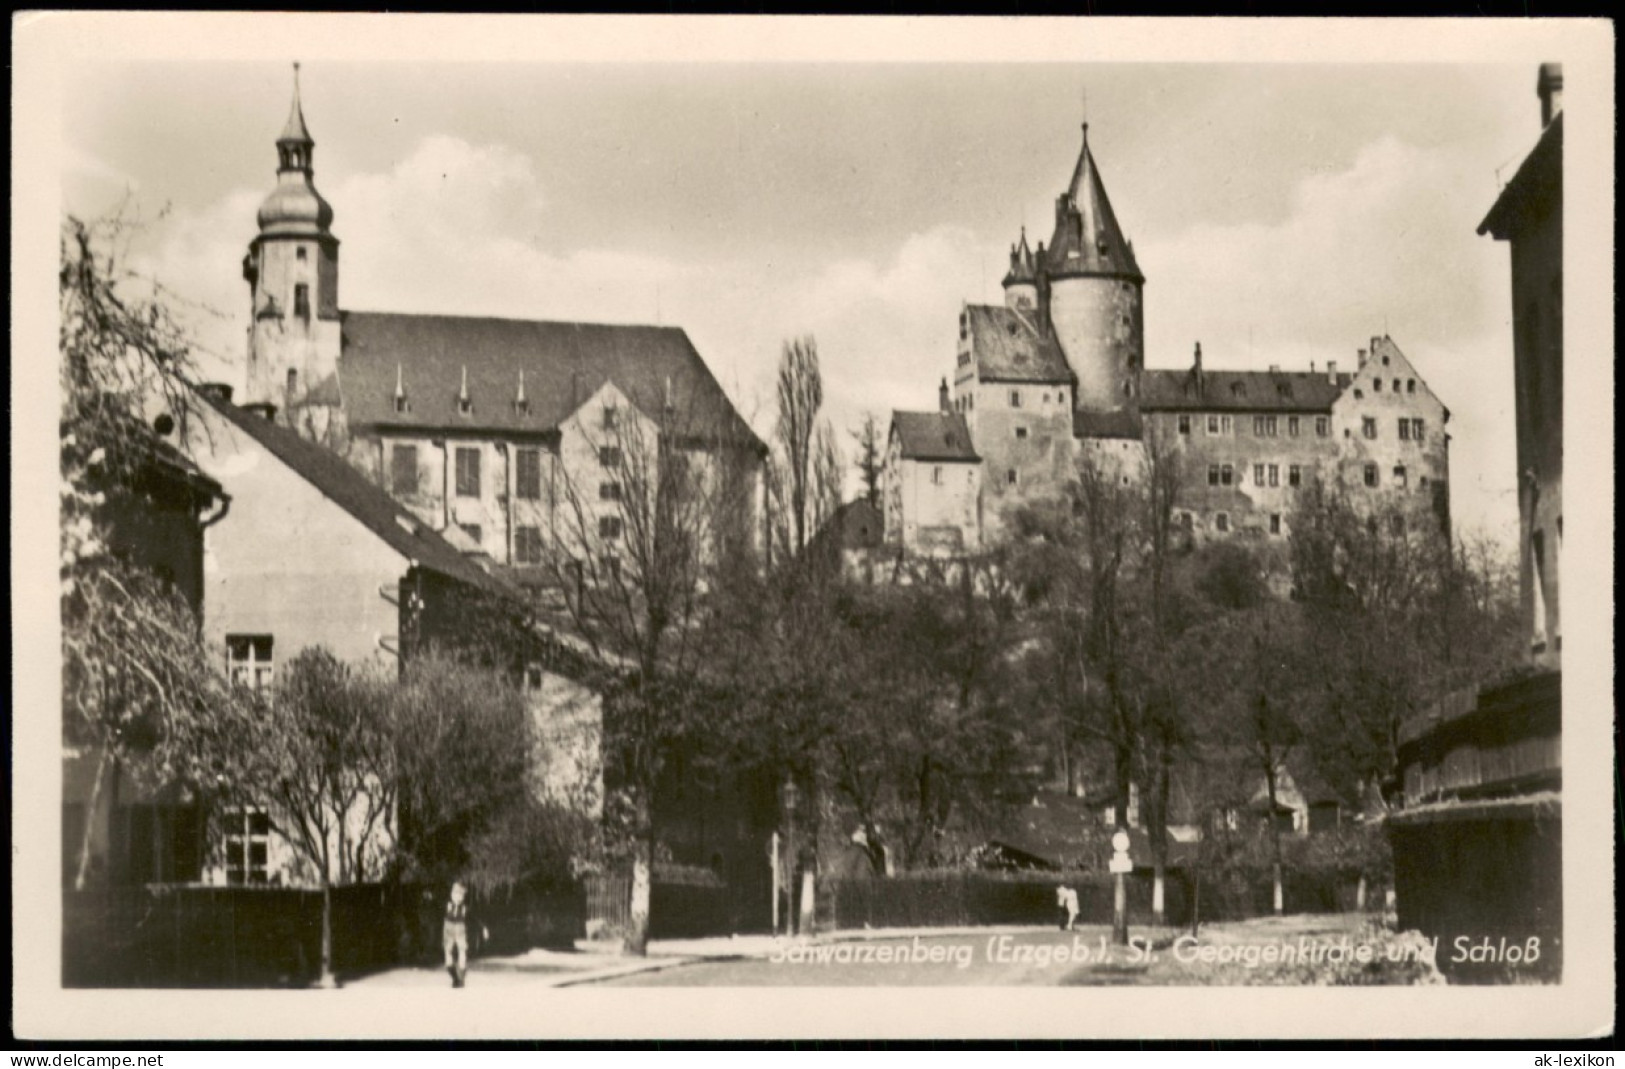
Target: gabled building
x=481 y=426
x=1057 y=375
x=312 y=553
x=931 y=484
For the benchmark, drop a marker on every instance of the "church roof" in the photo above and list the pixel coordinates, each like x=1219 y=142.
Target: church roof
x=1239 y=391
x=1008 y=347
x=934 y=436
x=1087 y=239
x=367 y=503
x=563 y=365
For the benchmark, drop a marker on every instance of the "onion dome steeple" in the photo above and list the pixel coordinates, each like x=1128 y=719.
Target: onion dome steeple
x=294 y=206
x=1087 y=239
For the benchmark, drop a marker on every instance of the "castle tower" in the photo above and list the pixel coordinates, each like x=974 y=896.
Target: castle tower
x=1021 y=281
x=1089 y=288
x=292 y=270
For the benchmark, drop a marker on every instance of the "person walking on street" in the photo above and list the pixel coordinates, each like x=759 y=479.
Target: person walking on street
x=1066 y=903
x=455 y=933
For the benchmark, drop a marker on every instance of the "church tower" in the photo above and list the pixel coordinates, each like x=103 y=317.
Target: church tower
x=1090 y=289
x=292 y=270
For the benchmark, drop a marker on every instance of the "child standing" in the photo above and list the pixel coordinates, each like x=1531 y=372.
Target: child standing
x=455 y=933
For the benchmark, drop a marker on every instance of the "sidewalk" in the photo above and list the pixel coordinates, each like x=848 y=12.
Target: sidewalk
x=588 y=964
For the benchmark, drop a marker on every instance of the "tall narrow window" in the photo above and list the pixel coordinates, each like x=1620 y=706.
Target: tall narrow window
x=1213 y=475
x=1292 y=426
x=1275 y=523
x=1015 y=398
x=611 y=417
x=1537 y=564
x=1221 y=521
x=1371 y=475
x=1226 y=475
x=1417 y=433
x=1275 y=475
x=1404 y=429
x=1213 y=424
x=293 y=383
x=1401 y=479
x=1258 y=475
x=1323 y=426
x=1368 y=426
x=1294 y=475
x=468 y=472
x=936 y=475
x=1010 y=476
x=1184 y=424
x=528 y=474
x=301 y=301
x=527 y=545
x=403 y=470
x=249 y=661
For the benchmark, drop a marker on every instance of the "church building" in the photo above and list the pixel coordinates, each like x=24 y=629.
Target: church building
x=1058 y=372
x=511 y=437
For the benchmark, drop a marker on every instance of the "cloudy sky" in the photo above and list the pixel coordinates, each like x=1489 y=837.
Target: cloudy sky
x=1281 y=213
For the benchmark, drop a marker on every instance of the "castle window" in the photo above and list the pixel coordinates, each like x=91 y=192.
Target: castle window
x=293 y=383
x=1294 y=475
x=1292 y=426
x=1401 y=480
x=527 y=545
x=403 y=470
x=936 y=475
x=1010 y=476
x=301 y=301
x=1213 y=475
x=468 y=472
x=1416 y=430
x=1384 y=361
x=1184 y=424
x=1396 y=385
x=1221 y=521
x=1213 y=424
x=1021 y=432
x=299 y=253
x=1258 y=475
x=1224 y=425
x=609 y=456
x=1275 y=475
x=1410 y=385
x=1359 y=395
x=1368 y=427
x=609 y=491
x=1275 y=523
x=1376 y=385
x=1371 y=475
x=609 y=527
x=1227 y=475
x=1404 y=429
x=1015 y=398
x=610 y=417
x=1323 y=426
x=528 y=474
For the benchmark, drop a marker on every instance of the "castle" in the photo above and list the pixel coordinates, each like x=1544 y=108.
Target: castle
x=1058 y=372
x=509 y=436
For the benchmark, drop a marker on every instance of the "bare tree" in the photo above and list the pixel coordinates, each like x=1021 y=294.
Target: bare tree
x=805 y=479
x=650 y=515
x=871 y=441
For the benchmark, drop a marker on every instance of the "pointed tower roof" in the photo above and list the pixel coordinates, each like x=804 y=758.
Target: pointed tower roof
x=1087 y=239
x=295 y=131
x=1022 y=266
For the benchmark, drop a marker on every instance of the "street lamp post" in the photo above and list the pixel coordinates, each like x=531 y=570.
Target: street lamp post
x=1120 y=867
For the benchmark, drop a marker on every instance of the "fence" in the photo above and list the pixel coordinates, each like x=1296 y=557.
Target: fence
x=951 y=899
x=684 y=903
x=168 y=936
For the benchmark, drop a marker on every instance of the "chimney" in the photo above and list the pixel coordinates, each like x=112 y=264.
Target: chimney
x=1275 y=369
x=1549 y=87
x=264 y=409
x=216 y=391
x=1331 y=372
x=942 y=395
x=1197 y=365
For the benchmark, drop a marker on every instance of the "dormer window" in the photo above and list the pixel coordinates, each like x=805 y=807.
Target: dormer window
x=1236 y=389
x=401 y=405
x=465 y=407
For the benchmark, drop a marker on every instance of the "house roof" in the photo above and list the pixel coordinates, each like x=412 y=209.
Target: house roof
x=1124 y=423
x=1087 y=238
x=1240 y=391
x=934 y=436
x=1535 y=188
x=1065 y=832
x=370 y=505
x=1008 y=347
x=562 y=364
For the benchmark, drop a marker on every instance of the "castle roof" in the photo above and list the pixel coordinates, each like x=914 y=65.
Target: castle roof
x=1239 y=391
x=934 y=436
x=1023 y=268
x=1009 y=348
x=563 y=364
x=295 y=130
x=367 y=503
x=1087 y=239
